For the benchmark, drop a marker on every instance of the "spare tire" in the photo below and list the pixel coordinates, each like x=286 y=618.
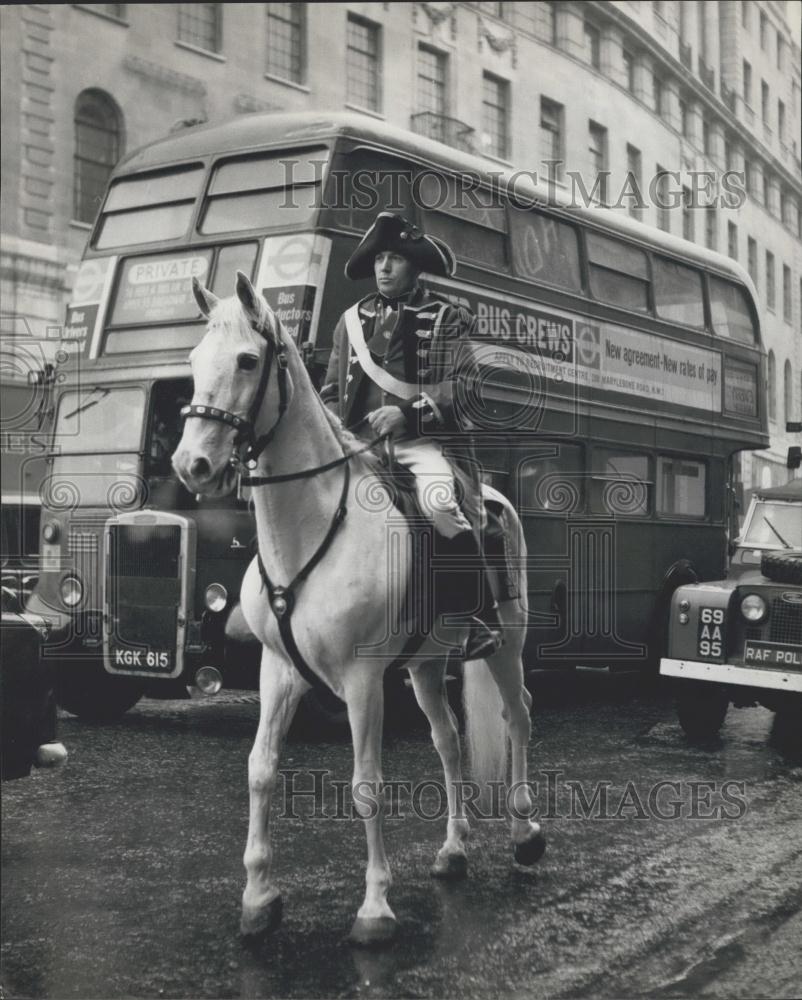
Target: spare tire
x=784 y=567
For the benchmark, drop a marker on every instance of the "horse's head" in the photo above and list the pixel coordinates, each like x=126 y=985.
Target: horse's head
x=241 y=388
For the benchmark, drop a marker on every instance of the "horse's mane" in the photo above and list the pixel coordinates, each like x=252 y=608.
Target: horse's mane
x=347 y=439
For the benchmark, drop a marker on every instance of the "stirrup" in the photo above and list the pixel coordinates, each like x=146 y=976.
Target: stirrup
x=482 y=641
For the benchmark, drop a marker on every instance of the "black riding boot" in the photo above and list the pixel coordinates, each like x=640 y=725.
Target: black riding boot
x=470 y=593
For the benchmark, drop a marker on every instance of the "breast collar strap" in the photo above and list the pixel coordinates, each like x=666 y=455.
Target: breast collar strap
x=245 y=426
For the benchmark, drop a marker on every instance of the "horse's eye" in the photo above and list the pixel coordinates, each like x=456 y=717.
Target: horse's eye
x=247 y=362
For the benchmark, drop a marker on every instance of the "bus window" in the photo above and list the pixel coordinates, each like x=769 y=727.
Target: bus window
x=363 y=183
x=279 y=189
x=166 y=426
x=620 y=483
x=472 y=221
x=678 y=293
x=544 y=249
x=681 y=487
x=552 y=483
x=230 y=259
x=149 y=209
x=730 y=311
x=619 y=274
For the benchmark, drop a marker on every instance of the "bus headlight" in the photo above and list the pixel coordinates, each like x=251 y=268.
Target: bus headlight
x=753 y=608
x=72 y=591
x=50 y=532
x=216 y=597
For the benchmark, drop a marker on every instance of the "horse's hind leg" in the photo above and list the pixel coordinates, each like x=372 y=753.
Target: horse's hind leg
x=280 y=687
x=375 y=923
x=506 y=667
x=428 y=682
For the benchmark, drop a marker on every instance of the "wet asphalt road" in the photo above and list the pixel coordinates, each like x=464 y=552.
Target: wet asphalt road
x=122 y=872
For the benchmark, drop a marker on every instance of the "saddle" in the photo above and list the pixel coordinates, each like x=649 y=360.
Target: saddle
x=423 y=600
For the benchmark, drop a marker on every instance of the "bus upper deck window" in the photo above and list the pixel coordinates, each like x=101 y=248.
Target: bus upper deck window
x=149 y=208
x=678 y=293
x=544 y=249
x=472 y=220
x=730 y=310
x=267 y=191
x=619 y=274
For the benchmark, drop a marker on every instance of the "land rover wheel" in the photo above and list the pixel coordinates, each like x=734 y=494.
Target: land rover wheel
x=783 y=567
x=701 y=709
x=83 y=688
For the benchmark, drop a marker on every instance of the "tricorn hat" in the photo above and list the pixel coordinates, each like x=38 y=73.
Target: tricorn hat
x=394 y=233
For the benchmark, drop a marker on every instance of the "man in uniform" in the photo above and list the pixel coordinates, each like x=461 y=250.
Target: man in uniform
x=393 y=366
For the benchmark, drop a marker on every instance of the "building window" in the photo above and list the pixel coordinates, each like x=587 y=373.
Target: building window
x=495 y=115
x=747 y=83
x=787 y=293
x=772 y=386
x=593 y=45
x=780 y=51
x=363 y=86
x=711 y=228
x=764 y=101
x=432 y=72
x=285 y=40
x=597 y=146
x=629 y=71
x=684 y=121
x=657 y=93
x=745 y=14
x=200 y=24
x=551 y=131
x=732 y=240
x=766 y=190
x=788 y=392
x=548 y=20
x=771 y=291
x=98 y=146
x=727 y=155
x=687 y=214
x=764 y=30
x=634 y=181
x=781 y=120
x=663 y=199
x=751 y=259
x=706 y=136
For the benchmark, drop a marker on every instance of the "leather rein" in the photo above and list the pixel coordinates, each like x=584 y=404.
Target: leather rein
x=281 y=599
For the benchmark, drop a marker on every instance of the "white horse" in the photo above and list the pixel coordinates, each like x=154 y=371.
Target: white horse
x=250 y=381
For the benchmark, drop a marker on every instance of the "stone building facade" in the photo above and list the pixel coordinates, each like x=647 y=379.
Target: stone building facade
x=623 y=87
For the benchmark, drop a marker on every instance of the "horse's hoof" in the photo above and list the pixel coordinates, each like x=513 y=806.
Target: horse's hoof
x=258 y=922
x=530 y=850
x=452 y=867
x=372 y=932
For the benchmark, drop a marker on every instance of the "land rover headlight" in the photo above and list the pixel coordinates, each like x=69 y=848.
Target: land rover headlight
x=753 y=608
x=72 y=591
x=216 y=597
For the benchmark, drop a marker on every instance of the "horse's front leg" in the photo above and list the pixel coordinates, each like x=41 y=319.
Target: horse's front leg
x=428 y=682
x=364 y=694
x=280 y=687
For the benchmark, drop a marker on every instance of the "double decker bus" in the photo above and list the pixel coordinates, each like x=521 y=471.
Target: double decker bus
x=620 y=372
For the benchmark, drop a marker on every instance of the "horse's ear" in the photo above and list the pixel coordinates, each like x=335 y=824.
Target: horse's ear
x=247 y=295
x=206 y=300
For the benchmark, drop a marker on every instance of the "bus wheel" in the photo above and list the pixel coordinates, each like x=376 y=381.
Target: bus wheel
x=701 y=709
x=86 y=690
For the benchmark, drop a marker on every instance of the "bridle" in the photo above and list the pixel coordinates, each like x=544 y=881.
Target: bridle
x=246 y=426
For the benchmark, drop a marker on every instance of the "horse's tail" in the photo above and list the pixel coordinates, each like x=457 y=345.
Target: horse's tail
x=485 y=729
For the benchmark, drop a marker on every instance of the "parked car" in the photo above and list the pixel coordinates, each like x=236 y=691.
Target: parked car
x=739 y=641
x=28 y=703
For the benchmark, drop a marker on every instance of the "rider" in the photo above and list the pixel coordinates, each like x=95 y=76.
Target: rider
x=393 y=364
